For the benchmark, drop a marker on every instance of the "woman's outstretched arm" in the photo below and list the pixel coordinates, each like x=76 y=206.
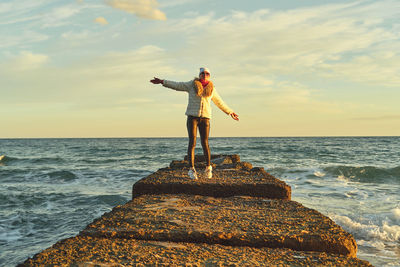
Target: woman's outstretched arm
x=222 y=106
x=178 y=86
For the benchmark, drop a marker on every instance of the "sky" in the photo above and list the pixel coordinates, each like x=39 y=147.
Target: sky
x=81 y=68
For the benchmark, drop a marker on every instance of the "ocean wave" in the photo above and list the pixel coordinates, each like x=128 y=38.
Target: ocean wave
x=366 y=174
x=7 y=235
x=377 y=241
x=29 y=200
x=105 y=160
x=64 y=176
x=395 y=215
x=46 y=160
x=386 y=232
x=279 y=171
x=319 y=174
x=6 y=159
x=34 y=161
x=108 y=200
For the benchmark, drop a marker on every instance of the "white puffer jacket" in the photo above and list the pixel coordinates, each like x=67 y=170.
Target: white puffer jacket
x=198 y=106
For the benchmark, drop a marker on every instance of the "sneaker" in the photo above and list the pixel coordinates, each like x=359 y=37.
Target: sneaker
x=208 y=172
x=192 y=173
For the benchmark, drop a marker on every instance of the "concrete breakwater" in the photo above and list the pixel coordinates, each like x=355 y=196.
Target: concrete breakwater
x=243 y=216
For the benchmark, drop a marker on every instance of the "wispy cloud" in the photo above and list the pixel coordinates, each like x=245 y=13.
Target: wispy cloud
x=288 y=65
x=173 y=3
x=40 y=12
x=24 y=61
x=20 y=11
x=116 y=77
x=28 y=21
x=191 y=24
x=379 y=118
x=27 y=61
x=76 y=36
x=141 y=8
x=328 y=41
x=377 y=67
x=101 y=20
x=281 y=56
x=14 y=8
x=22 y=39
x=60 y=16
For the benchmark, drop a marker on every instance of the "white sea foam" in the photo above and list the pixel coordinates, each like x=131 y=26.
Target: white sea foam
x=319 y=174
x=395 y=216
x=376 y=243
x=393 y=232
x=372 y=244
x=313 y=181
x=342 y=178
x=352 y=193
x=386 y=232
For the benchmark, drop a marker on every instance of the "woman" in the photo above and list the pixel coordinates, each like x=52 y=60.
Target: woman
x=201 y=91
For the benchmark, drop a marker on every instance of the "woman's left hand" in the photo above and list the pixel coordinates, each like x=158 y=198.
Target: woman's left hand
x=234 y=116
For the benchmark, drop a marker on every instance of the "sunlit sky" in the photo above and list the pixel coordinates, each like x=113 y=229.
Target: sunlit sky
x=287 y=68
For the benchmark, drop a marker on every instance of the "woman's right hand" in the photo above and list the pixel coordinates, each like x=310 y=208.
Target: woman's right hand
x=156 y=80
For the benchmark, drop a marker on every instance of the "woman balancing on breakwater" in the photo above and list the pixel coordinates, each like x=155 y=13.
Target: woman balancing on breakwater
x=201 y=91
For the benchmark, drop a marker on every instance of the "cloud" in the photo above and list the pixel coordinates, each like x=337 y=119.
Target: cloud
x=23 y=39
x=282 y=65
x=292 y=97
x=26 y=61
x=141 y=8
x=378 y=68
x=122 y=69
x=38 y=14
x=192 y=24
x=60 y=16
x=321 y=42
x=379 y=118
x=76 y=36
x=294 y=56
x=173 y=3
x=101 y=20
x=85 y=38
x=17 y=8
x=115 y=79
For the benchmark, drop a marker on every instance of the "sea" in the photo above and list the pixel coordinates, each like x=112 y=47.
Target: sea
x=50 y=189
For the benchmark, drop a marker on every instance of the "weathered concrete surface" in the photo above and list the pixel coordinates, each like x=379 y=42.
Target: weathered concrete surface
x=92 y=251
x=179 y=222
x=230 y=178
x=234 y=221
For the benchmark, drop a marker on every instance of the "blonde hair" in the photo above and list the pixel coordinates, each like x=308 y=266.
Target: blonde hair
x=203 y=91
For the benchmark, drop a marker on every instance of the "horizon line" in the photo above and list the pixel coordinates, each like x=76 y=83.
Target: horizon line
x=211 y=137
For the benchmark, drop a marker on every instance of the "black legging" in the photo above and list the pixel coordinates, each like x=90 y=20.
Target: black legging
x=204 y=129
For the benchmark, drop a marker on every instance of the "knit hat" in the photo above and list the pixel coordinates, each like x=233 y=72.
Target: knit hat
x=204 y=70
